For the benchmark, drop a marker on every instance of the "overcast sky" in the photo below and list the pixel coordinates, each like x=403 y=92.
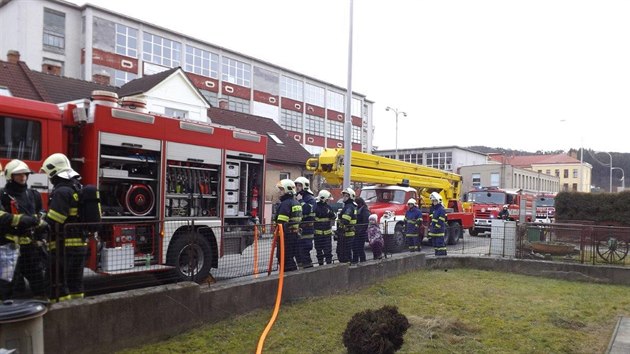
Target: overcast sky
x=530 y=75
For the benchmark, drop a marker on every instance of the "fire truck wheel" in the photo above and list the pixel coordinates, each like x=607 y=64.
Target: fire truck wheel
x=191 y=255
x=396 y=242
x=453 y=233
x=473 y=232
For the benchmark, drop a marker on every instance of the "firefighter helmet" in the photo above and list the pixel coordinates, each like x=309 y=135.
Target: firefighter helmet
x=436 y=196
x=350 y=192
x=16 y=167
x=412 y=201
x=287 y=185
x=304 y=182
x=58 y=165
x=505 y=207
x=324 y=195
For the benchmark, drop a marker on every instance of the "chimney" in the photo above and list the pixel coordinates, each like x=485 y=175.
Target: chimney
x=223 y=103
x=13 y=56
x=101 y=78
x=51 y=68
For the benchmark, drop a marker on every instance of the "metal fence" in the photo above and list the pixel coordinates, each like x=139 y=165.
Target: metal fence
x=136 y=254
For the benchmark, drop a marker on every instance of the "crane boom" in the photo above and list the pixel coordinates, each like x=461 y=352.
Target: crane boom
x=368 y=168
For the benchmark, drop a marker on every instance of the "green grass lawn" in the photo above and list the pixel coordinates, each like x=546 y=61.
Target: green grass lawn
x=458 y=311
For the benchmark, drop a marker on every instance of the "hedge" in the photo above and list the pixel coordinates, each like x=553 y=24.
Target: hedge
x=596 y=207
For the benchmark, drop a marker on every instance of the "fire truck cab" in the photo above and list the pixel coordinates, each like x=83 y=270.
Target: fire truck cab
x=545 y=207
x=167 y=186
x=487 y=202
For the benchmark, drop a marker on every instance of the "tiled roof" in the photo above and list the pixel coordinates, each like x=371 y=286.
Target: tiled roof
x=64 y=89
x=529 y=160
x=290 y=152
x=144 y=84
x=15 y=76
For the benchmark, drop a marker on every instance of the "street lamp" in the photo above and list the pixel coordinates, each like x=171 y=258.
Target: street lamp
x=623 y=177
x=396 y=111
x=611 y=168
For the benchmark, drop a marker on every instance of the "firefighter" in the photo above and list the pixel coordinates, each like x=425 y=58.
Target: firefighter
x=324 y=216
x=68 y=247
x=346 y=221
x=25 y=232
x=289 y=215
x=437 y=226
x=305 y=244
x=360 y=238
x=413 y=225
x=504 y=214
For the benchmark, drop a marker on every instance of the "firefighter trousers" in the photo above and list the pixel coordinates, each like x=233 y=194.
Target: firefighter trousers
x=66 y=272
x=323 y=248
x=290 y=251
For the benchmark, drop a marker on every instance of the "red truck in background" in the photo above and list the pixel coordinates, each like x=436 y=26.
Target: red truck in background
x=487 y=202
x=545 y=207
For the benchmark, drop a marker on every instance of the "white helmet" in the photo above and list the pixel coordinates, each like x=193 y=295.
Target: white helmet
x=412 y=201
x=287 y=185
x=58 y=165
x=16 y=167
x=350 y=192
x=324 y=195
x=436 y=196
x=303 y=181
x=373 y=218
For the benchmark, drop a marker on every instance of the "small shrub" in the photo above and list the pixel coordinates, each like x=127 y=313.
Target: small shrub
x=375 y=331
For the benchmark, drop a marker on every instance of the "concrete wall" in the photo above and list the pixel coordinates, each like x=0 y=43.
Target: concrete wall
x=108 y=323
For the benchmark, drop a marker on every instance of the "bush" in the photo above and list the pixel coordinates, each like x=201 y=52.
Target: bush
x=379 y=331
x=599 y=208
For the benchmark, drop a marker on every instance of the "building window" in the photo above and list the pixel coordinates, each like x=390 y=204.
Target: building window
x=236 y=72
x=565 y=187
x=566 y=173
x=575 y=187
x=54 y=31
x=238 y=104
x=314 y=95
x=356 y=107
x=123 y=77
x=335 y=130
x=285 y=175
x=161 y=51
x=275 y=138
x=575 y=173
x=291 y=88
x=335 y=101
x=202 y=62
x=126 y=41
x=291 y=120
x=314 y=125
x=4 y=91
x=175 y=113
x=548 y=172
x=557 y=173
x=476 y=180
x=211 y=97
x=495 y=179
x=20 y=139
x=356 y=134
x=440 y=160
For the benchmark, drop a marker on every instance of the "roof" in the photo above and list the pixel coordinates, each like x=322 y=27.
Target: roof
x=145 y=83
x=17 y=78
x=65 y=89
x=529 y=160
x=290 y=152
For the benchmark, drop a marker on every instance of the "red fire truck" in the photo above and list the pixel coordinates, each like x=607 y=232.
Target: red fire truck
x=487 y=202
x=545 y=207
x=166 y=185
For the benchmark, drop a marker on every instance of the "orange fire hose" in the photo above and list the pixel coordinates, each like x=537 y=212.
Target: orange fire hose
x=276 y=309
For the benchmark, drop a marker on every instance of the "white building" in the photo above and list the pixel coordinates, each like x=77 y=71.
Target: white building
x=448 y=158
x=92 y=43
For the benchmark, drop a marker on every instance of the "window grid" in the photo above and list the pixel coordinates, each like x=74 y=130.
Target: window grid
x=440 y=160
x=575 y=173
x=356 y=134
x=494 y=179
x=356 y=107
x=211 y=97
x=291 y=120
x=314 y=125
x=335 y=101
x=54 y=36
x=236 y=72
x=238 y=104
x=335 y=130
x=291 y=88
x=126 y=41
x=476 y=180
x=314 y=95
x=202 y=62
x=123 y=77
x=161 y=51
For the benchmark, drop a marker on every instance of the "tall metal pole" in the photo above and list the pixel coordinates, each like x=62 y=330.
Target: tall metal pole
x=611 y=168
x=396 y=112
x=347 y=156
x=623 y=177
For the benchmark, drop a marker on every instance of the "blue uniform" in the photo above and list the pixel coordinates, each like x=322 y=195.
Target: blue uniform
x=289 y=215
x=437 y=230
x=413 y=221
x=324 y=215
x=305 y=244
x=345 y=231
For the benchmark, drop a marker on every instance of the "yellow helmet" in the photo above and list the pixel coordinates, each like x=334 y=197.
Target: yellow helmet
x=15 y=167
x=287 y=185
